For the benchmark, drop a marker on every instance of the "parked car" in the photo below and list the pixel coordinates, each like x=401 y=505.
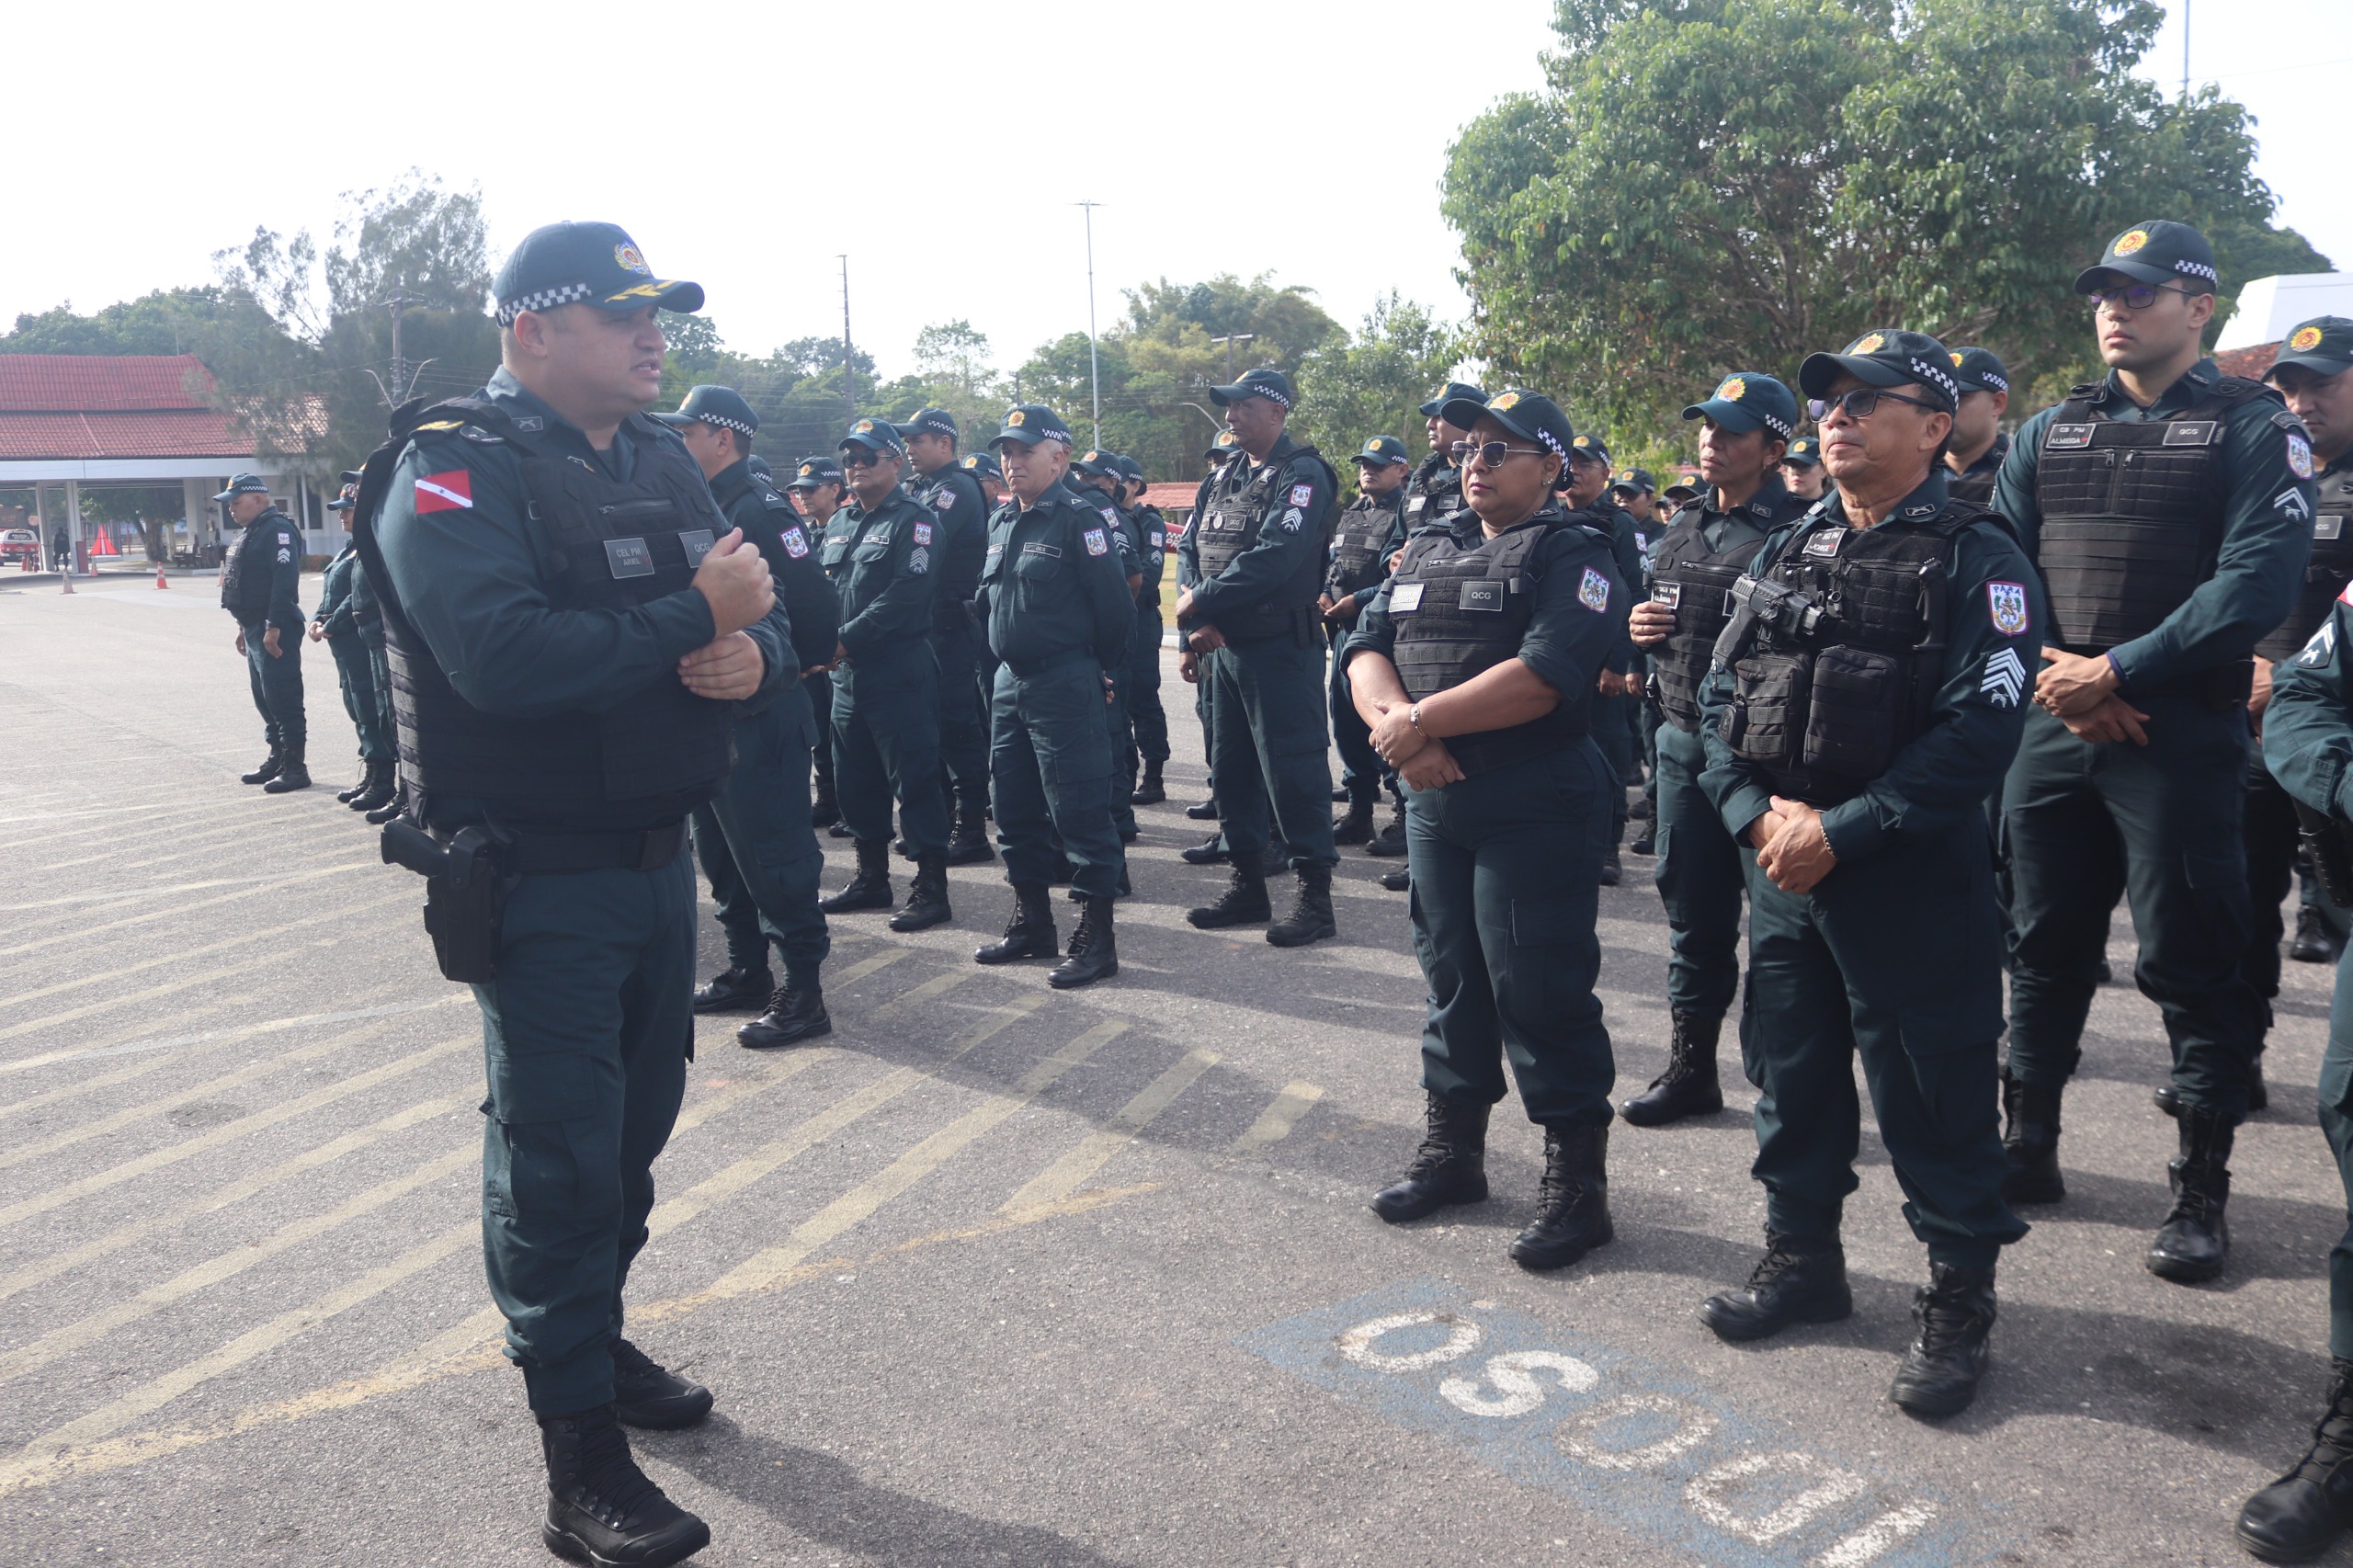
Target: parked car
x=17 y=544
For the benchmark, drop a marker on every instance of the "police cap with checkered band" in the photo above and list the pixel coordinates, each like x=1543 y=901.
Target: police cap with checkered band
x=1270 y=385
x=1749 y=400
x=723 y=407
x=1530 y=415
x=590 y=264
x=1980 y=370
x=2157 y=252
x=1887 y=357
x=1030 y=423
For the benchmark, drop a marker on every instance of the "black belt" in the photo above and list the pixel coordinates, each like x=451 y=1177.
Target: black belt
x=1029 y=669
x=647 y=851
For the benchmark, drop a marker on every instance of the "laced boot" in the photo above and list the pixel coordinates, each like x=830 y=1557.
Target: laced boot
x=927 y=895
x=396 y=806
x=1150 y=788
x=2300 y=1514
x=2030 y=1142
x=383 y=783
x=1690 y=1087
x=292 y=774
x=1799 y=1280
x=602 y=1509
x=1210 y=851
x=1389 y=844
x=1203 y=810
x=2313 y=944
x=794 y=1013
x=366 y=777
x=1397 y=880
x=2195 y=1241
x=734 y=990
x=871 y=888
x=968 y=841
x=1573 y=1203
x=646 y=1394
x=1954 y=1311
x=1356 y=827
x=1645 y=842
x=1450 y=1166
x=1094 y=951
x=1030 y=933
x=1309 y=919
x=266 y=772
x=1243 y=902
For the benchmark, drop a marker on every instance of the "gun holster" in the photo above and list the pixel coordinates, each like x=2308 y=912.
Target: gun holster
x=2326 y=841
x=466 y=883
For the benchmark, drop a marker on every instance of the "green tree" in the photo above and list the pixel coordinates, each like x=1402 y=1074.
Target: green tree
x=167 y=321
x=1374 y=384
x=954 y=354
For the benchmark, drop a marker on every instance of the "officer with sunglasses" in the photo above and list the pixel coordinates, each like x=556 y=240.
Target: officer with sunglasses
x=2170 y=509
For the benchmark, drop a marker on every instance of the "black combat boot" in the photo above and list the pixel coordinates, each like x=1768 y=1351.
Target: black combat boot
x=1573 y=1204
x=968 y=841
x=1243 y=902
x=2195 y=1241
x=1030 y=933
x=396 y=806
x=1309 y=919
x=1690 y=1087
x=2030 y=1142
x=793 y=1014
x=2258 y=1094
x=1150 y=788
x=2313 y=944
x=292 y=774
x=366 y=777
x=1954 y=1311
x=602 y=1509
x=1210 y=851
x=736 y=990
x=1645 y=842
x=824 y=811
x=2300 y=1514
x=1390 y=842
x=1612 y=873
x=1397 y=880
x=1094 y=951
x=870 y=889
x=266 y=772
x=383 y=783
x=927 y=895
x=648 y=1395
x=1356 y=827
x=1799 y=1280
x=1203 y=810
x=1449 y=1168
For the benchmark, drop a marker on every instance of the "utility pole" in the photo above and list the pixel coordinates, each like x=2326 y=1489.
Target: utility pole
x=2184 y=51
x=1229 y=341
x=401 y=385
x=1094 y=363
x=849 y=384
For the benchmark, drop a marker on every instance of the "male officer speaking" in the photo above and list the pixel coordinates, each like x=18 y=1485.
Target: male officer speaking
x=1256 y=559
x=568 y=676
x=2170 y=509
x=261 y=578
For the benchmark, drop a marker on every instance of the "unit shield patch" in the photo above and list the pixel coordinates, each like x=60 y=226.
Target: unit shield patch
x=1095 y=544
x=1300 y=495
x=2008 y=602
x=1593 y=592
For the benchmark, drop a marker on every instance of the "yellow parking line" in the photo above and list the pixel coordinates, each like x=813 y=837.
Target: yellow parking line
x=1064 y=1177
x=1282 y=1113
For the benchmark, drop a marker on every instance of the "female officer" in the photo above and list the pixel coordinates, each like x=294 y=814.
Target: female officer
x=1474 y=667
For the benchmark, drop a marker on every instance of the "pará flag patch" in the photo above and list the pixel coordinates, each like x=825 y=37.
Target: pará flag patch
x=447 y=491
x=2007 y=603
x=1095 y=544
x=1594 y=591
x=1300 y=495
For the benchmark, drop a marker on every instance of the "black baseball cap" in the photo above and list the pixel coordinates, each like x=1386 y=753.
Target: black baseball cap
x=875 y=436
x=1128 y=466
x=1634 y=480
x=982 y=462
x=1456 y=391
x=2324 y=343
x=760 y=466
x=245 y=484
x=1980 y=370
x=1382 y=450
x=1225 y=446
x=1270 y=385
x=1530 y=415
x=345 y=502
x=588 y=263
x=723 y=407
x=1805 y=451
x=812 y=473
x=1102 y=464
x=933 y=421
x=2157 y=252
x=1749 y=400
x=1587 y=449
x=1031 y=423
x=1887 y=357
x=1684 y=489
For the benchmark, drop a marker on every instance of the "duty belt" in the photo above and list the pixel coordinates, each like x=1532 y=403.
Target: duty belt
x=545 y=851
x=1031 y=669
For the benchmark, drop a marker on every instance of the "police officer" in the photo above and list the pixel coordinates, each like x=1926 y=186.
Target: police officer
x=569 y=680
x=886 y=684
x=1476 y=668
x=1371 y=528
x=1860 y=706
x=817 y=488
x=2308 y=742
x=335 y=628
x=1744 y=426
x=1059 y=609
x=1635 y=491
x=261 y=580
x=754 y=840
x=1979 y=442
x=961 y=524
x=1434 y=489
x=1098 y=473
x=1586 y=485
x=1147 y=721
x=1205 y=809
x=2170 y=509
x=1257 y=556
x=982 y=466
x=1802 y=470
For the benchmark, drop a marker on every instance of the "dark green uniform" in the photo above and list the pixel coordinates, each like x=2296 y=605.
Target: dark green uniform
x=1613 y=715
x=1370 y=530
x=1147 y=721
x=1054 y=595
x=1896 y=955
x=886 y=694
x=261 y=580
x=961 y=522
x=2211 y=463
x=1129 y=540
x=354 y=669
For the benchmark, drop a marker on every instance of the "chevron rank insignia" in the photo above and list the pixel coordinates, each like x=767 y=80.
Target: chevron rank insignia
x=2008 y=602
x=2004 y=679
x=2323 y=642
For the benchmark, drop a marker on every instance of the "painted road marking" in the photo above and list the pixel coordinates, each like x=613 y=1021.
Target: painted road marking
x=1282 y=1114
x=243 y=1031
x=1632 y=1442
x=1065 y=1175
x=170 y=912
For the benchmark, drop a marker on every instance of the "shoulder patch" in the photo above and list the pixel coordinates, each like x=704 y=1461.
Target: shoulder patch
x=2004 y=680
x=2299 y=455
x=918 y=562
x=2006 y=602
x=1300 y=495
x=923 y=533
x=944 y=500
x=795 y=543
x=1095 y=544
x=1593 y=592
x=2323 y=642
x=446 y=492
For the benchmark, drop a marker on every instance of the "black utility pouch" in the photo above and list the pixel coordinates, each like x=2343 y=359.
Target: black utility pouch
x=2326 y=841
x=1766 y=722
x=465 y=895
x=1857 y=709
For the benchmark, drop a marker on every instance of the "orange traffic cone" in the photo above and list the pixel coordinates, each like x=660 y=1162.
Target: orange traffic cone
x=160 y=580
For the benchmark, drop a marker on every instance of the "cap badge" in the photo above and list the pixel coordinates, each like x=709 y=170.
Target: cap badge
x=630 y=260
x=1870 y=343
x=1956 y=361
x=1582 y=442
x=1506 y=402
x=2306 y=337
x=807 y=468
x=1090 y=457
x=2130 y=241
x=972 y=462
x=1733 y=390
x=1016 y=419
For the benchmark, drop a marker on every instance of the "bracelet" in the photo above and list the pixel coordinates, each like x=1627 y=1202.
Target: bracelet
x=1414 y=717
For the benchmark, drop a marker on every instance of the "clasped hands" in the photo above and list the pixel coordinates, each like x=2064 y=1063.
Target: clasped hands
x=734 y=579
x=1420 y=759
x=1792 y=849
x=2081 y=694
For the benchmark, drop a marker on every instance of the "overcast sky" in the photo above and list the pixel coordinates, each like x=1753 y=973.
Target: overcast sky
x=147 y=139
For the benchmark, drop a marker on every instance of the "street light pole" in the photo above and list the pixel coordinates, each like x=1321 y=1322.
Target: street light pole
x=1230 y=340
x=850 y=387
x=1094 y=362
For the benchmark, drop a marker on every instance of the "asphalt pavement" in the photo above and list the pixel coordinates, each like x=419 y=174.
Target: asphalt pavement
x=993 y=1274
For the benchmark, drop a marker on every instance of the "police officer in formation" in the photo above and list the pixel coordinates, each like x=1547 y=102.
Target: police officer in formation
x=337 y=627
x=1587 y=486
x=1059 y=608
x=1980 y=445
x=2170 y=511
x=1256 y=556
x=1371 y=528
x=1744 y=426
x=1098 y=474
x=1802 y=469
x=961 y=524
x=817 y=488
x=982 y=466
x=570 y=679
x=261 y=581
x=1140 y=681
x=1475 y=667
x=753 y=839
x=886 y=684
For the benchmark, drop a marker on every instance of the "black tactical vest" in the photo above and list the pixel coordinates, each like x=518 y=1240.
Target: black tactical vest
x=2132 y=512
x=1824 y=711
x=245 y=581
x=1358 y=559
x=2331 y=567
x=1238 y=502
x=1433 y=495
x=1977 y=483
x=1695 y=583
x=1459 y=611
x=605 y=544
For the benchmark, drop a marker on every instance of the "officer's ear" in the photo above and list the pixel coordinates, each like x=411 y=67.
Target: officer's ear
x=2201 y=310
x=1552 y=466
x=1774 y=450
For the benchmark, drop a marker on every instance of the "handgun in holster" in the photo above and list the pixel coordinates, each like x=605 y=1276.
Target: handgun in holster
x=1761 y=605
x=2325 y=836
x=465 y=894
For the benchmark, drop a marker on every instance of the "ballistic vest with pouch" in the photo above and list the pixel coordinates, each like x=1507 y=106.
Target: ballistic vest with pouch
x=2330 y=570
x=1695 y=582
x=1238 y=503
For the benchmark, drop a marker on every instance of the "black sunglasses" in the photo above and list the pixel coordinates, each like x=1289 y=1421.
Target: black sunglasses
x=2133 y=296
x=1491 y=453
x=860 y=458
x=1862 y=402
